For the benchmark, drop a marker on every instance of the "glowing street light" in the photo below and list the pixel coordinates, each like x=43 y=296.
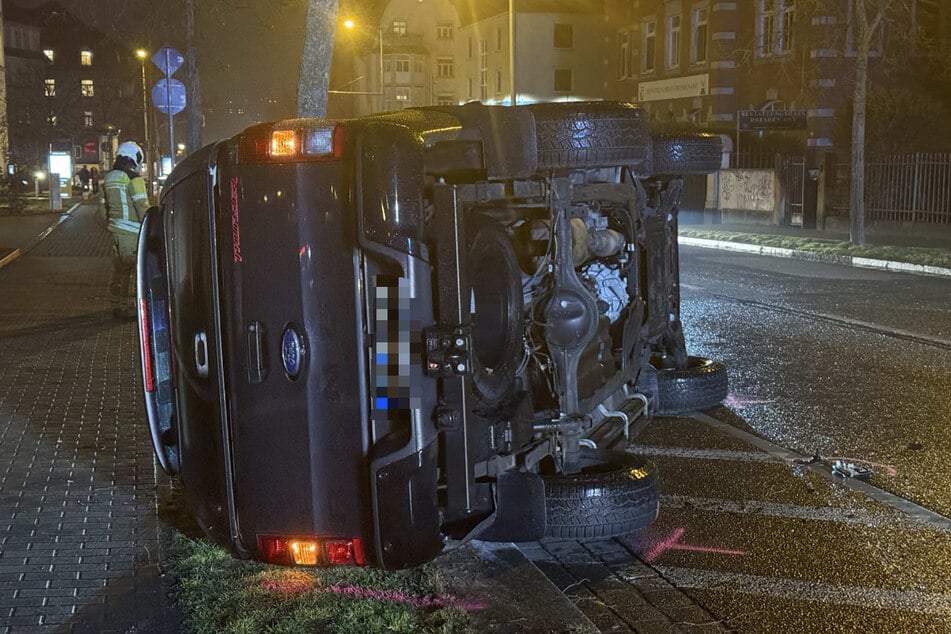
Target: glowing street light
x=143 y=55
x=350 y=24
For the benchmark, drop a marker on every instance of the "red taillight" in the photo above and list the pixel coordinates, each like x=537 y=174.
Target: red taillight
x=145 y=340
x=314 y=141
x=286 y=550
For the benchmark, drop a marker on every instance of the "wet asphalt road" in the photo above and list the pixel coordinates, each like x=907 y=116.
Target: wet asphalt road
x=869 y=379
x=823 y=358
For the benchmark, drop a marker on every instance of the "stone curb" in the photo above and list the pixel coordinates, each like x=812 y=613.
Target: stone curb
x=848 y=260
x=13 y=255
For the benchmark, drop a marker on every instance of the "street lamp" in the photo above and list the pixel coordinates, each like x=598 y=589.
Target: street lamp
x=350 y=25
x=142 y=54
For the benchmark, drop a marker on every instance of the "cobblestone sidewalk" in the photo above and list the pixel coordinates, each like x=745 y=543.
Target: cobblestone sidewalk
x=78 y=525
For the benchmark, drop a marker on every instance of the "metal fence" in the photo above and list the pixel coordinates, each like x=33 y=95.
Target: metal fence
x=900 y=188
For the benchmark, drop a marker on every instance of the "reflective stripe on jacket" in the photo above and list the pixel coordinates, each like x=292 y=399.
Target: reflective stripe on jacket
x=126 y=201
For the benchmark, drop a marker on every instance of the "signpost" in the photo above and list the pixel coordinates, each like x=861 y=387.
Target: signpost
x=168 y=94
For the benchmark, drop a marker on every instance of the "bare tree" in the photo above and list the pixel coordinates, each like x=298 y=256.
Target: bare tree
x=868 y=18
x=316 y=58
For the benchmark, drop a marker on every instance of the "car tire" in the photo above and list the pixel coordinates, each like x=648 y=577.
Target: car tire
x=700 y=385
x=615 y=494
x=590 y=134
x=679 y=154
x=495 y=282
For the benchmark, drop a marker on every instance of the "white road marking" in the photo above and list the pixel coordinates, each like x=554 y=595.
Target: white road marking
x=781 y=588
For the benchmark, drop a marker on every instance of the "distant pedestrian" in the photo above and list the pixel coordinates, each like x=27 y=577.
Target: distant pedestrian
x=84 y=177
x=124 y=205
x=94 y=178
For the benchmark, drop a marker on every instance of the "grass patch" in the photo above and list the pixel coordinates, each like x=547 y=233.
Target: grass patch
x=220 y=594
x=912 y=255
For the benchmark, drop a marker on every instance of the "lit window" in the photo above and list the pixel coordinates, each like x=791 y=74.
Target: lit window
x=649 y=58
x=673 y=41
x=444 y=31
x=52 y=120
x=399 y=27
x=563 y=36
x=402 y=94
x=50 y=54
x=698 y=47
x=445 y=67
x=50 y=87
x=87 y=88
x=85 y=57
x=562 y=80
x=87 y=118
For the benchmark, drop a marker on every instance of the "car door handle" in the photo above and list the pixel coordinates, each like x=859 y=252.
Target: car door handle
x=201 y=354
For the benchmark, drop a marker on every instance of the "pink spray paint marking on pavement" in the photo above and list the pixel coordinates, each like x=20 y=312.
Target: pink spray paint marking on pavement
x=401 y=597
x=673 y=543
x=739 y=401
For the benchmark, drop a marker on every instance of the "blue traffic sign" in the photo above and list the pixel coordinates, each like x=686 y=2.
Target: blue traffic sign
x=168 y=95
x=168 y=60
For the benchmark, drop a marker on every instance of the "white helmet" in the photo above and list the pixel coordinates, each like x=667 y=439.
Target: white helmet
x=131 y=150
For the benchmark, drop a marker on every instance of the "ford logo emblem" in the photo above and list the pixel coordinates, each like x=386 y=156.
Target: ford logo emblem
x=292 y=352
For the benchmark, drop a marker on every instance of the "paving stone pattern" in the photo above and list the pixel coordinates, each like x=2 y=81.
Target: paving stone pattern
x=616 y=591
x=78 y=526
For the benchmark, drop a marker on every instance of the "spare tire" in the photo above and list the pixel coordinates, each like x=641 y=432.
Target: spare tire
x=677 y=154
x=700 y=385
x=615 y=494
x=496 y=305
x=579 y=135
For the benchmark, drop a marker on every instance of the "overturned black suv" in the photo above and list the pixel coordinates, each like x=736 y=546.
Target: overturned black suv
x=365 y=341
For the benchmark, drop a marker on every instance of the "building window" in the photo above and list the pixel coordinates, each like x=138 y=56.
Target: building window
x=87 y=118
x=927 y=25
x=52 y=120
x=445 y=67
x=417 y=64
x=564 y=36
x=446 y=100
x=402 y=95
x=498 y=82
x=50 y=54
x=87 y=89
x=469 y=88
x=444 y=31
x=14 y=38
x=402 y=64
x=85 y=57
x=787 y=31
x=387 y=65
x=50 y=87
x=649 y=56
x=701 y=35
x=775 y=27
x=399 y=27
x=673 y=42
x=562 y=80
x=483 y=70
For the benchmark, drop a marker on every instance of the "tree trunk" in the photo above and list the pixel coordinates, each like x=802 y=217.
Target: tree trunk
x=193 y=112
x=857 y=192
x=315 y=61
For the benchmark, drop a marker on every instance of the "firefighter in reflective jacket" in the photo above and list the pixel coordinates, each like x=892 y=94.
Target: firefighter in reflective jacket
x=125 y=202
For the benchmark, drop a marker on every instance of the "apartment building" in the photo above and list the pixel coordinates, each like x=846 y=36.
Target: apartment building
x=761 y=67
x=67 y=87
